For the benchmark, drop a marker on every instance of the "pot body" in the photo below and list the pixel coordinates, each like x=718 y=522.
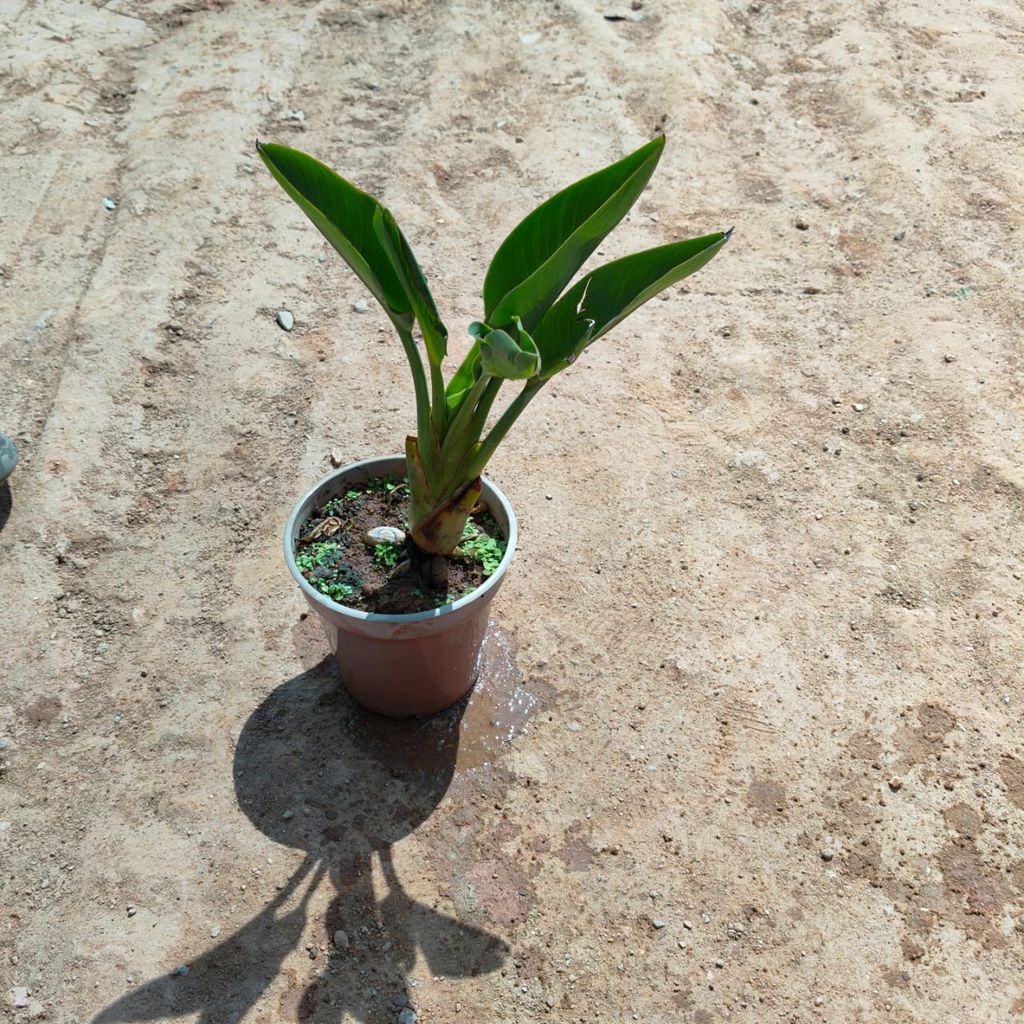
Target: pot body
x=402 y=665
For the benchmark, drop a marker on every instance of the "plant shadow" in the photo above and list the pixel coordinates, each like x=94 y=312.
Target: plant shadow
x=6 y=503
x=315 y=772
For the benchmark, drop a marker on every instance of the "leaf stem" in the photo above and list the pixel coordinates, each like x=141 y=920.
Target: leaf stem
x=424 y=427
x=502 y=427
x=461 y=448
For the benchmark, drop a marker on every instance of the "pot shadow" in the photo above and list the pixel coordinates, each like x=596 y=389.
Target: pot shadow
x=6 y=503
x=316 y=772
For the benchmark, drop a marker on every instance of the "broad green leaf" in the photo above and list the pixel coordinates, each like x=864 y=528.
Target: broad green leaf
x=542 y=254
x=607 y=295
x=435 y=334
x=344 y=214
x=501 y=356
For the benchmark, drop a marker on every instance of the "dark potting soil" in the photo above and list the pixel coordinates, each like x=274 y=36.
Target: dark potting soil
x=392 y=579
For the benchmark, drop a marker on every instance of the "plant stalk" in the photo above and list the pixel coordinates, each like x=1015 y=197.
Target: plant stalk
x=424 y=426
x=502 y=427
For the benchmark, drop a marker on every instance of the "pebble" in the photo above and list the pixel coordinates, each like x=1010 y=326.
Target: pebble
x=20 y=997
x=360 y=307
x=827 y=854
x=705 y=917
x=407 y=1016
x=899 y=236
x=131 y=911
x=110 y=204
x=659 y=924
x=401 y=999
x=285 y=320
x=337 y=459
x=215 y=931
x=3 y=742
x=288 y=815
x=895 y=783
x=8 y=457
x=688 y=925
x=179 y=972
x=857 y=407
x=720 y=964
x=949 y=358
x=341 y=939
x=383 y=535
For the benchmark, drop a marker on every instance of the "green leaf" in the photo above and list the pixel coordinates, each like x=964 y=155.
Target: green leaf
x=542 y=254
x=435 y=334
x=607 y=295
x=502 y=356
x=344 y=214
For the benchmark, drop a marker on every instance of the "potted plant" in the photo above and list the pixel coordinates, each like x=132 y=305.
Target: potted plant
x=401 y=556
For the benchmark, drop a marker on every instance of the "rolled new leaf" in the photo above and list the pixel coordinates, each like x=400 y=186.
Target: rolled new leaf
x=502 y=356
x=462 y=381
x=543 y=253
x=344 y=215
x=607 y=295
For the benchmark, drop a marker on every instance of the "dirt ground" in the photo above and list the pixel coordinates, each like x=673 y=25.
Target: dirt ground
x=747 y=744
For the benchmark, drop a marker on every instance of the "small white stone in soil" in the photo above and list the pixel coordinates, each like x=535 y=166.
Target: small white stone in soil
x=360 y=307
x=285 y=320
x=407 y=1016
x=19 y=996
x=857 y=407
x=658 y=924
x=337 y=459
x=383 y=535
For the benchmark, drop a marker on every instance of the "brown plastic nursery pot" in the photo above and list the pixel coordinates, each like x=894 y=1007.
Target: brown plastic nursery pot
x=402 y=665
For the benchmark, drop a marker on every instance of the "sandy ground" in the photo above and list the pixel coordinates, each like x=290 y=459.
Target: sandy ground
x=748 y=741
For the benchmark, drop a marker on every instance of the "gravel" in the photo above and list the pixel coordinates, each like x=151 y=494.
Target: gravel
x=285 y=320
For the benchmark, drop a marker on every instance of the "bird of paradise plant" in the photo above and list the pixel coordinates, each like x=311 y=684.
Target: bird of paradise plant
x=533 y=324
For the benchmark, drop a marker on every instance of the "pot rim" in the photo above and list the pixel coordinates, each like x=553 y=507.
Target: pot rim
x=431 y=613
